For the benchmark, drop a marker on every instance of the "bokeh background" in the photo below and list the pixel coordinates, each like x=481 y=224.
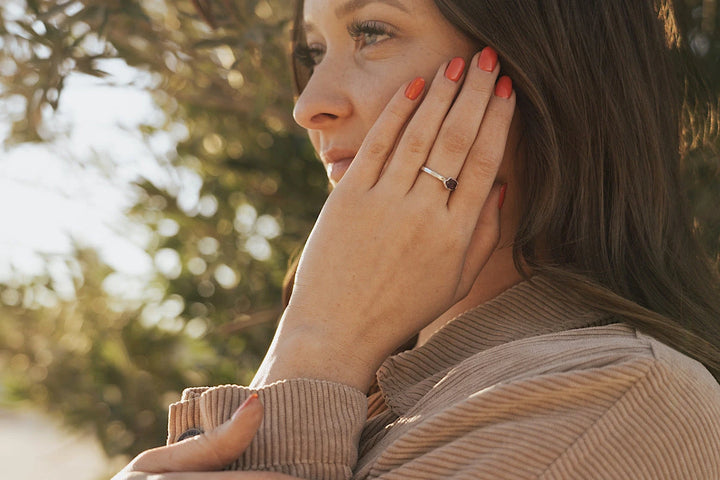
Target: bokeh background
x=154 y=188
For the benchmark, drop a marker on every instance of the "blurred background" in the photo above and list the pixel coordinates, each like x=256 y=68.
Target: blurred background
x=154 y=187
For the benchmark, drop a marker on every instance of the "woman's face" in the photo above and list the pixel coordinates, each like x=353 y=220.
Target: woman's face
x=362 y=52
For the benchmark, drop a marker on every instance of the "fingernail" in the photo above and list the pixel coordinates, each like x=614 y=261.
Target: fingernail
x=488 y=59
x=503 y=88
x=247 y=402
x=455 y=69
x=501 y=200
x=415 y=88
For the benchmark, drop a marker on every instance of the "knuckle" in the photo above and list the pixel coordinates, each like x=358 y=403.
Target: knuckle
x=397 y=111
x=415 y=143
x=441 y=97
x=484 y=166
x=376 y=148
x=502 y=111
x=482 y=87
x=456 y=141
x=447 y=92
x=217 y=451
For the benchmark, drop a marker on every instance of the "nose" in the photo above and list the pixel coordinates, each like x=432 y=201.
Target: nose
x=325 y=100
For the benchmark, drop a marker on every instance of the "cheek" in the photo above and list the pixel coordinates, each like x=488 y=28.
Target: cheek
x=373 y=95
x=374 y=88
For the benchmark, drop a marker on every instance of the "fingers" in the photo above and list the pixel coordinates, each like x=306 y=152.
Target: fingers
x=483 y=161
x=422 y=130
x=380 y=140
x=484 y=240
x=462 y=123
x=213 y=450
x=441 y=132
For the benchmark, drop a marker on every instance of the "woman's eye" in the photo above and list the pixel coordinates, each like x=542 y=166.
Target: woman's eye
x=368 y=33
x=364 y=34
x=370 y=38
x=308 y=56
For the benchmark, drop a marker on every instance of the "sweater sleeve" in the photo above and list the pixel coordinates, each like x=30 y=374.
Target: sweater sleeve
x=310 y=428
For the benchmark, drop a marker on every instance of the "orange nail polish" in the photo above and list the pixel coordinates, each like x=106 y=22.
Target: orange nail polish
x=247 y=402
x=501 y=200
x=415 y=88
x=503 y=88
x=455 y=69
x=488 y=59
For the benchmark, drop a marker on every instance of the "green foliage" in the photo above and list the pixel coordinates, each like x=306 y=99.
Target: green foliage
x=700 y=24
x=97 y=367
x=113 y=366
x=100 y=362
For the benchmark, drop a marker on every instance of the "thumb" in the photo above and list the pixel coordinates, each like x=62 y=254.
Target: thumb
x=209 y=451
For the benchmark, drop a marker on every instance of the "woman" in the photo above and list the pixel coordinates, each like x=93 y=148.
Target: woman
x=552 y=218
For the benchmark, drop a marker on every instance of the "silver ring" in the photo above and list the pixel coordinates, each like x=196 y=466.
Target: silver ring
x=449 y=182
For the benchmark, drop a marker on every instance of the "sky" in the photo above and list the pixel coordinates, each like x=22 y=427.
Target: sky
x=75 y=189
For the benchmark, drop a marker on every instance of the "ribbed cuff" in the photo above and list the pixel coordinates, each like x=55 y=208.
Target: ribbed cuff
x=310 y=428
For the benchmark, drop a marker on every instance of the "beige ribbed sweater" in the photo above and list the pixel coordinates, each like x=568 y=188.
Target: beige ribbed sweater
x=523 y=387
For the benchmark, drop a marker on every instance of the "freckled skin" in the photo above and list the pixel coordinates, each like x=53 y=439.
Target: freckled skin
x=351 y=86
x=409 y=270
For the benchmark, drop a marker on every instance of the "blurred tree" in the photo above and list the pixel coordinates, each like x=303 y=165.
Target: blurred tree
x=220 y=72
x=221 y=251
x=699 y=22
x=97 y=366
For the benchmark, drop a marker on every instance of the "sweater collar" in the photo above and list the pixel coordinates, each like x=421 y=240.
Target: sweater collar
x=530 y=308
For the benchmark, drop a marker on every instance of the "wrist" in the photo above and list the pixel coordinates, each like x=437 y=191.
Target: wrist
x=303 y=352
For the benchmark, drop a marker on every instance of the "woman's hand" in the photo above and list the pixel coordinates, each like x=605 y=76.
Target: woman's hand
x=393 y=248
x=201 y=457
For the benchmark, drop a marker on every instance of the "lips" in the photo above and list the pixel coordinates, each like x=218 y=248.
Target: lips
x=336 y=170
x=337 y=161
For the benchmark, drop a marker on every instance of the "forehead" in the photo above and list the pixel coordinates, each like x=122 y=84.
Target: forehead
x=419 y=22
x=314 y=10
x=341 y=7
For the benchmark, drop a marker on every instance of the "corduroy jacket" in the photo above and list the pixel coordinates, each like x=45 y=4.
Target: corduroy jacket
x=530 y=385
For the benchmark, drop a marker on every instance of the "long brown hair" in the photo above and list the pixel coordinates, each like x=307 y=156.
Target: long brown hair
x=600 y=96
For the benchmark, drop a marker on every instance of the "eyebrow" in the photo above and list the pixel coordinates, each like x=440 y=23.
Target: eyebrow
x=353 y=5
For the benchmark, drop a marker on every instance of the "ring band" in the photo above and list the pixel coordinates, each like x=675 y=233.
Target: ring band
x=449 y=182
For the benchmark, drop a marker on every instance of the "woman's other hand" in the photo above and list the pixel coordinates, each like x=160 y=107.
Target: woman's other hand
x=202 y=456
x=393 y=248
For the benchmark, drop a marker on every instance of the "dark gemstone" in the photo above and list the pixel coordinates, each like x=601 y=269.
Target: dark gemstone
x=451 y=184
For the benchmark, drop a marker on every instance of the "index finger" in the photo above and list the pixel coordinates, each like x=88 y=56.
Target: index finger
x=382 y=137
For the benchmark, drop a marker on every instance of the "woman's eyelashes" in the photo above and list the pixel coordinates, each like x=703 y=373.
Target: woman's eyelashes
x=308 y=55
x=368 y=33
x=363 y=33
